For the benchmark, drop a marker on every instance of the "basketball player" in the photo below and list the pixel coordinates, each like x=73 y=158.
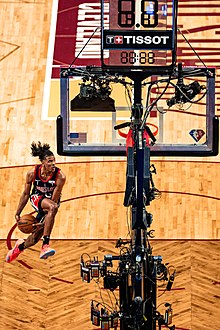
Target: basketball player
x=43 y=187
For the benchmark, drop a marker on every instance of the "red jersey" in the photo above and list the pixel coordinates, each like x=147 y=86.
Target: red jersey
x=42 y=187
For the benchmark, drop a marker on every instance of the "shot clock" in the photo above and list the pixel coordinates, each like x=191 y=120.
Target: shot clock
x=138 y=34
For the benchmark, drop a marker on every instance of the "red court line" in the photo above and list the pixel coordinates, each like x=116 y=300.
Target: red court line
x=162 y=191
x=25 y=264
x=115 y=161
x=175 y=289
x=33 y=289
x=59 y=279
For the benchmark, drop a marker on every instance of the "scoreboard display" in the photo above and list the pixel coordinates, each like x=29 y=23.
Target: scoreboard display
x=138 y=33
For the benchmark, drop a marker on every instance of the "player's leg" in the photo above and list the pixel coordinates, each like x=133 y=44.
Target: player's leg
x=43 y=206
x=35 y=236
x=14 y=253
x=22 y=244
x=50 y=208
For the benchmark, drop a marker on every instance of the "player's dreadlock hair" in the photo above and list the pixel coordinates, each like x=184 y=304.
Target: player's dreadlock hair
x=42 y=151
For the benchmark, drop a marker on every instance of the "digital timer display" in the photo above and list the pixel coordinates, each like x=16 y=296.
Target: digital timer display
x=132 y=58
x=148 y=13
x=137 y=33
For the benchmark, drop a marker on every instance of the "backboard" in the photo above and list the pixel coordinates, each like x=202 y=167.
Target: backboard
x=182 y=127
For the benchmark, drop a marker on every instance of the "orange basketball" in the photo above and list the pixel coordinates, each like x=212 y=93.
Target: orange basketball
x=25 y=223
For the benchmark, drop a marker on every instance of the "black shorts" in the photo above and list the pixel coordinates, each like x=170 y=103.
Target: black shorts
x=36 y=201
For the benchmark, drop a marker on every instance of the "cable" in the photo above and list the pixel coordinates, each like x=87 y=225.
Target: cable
x=128 y=223
x=162 y=293
x=103 y=303
x=116 y=300
x=160 y=305
x=110 y=298
x=195 y=52
x=170 y=75
x=187 y=98
x=84 y=46
x=128 y=94
x=150 y=107
x=86 y=255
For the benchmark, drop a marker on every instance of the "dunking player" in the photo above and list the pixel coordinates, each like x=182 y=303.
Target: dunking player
x=47 y=181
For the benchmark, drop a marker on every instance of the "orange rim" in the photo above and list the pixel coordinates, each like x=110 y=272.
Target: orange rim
x=124 y=135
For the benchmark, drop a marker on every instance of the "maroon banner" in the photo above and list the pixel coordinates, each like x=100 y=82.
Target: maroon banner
x=77 y=20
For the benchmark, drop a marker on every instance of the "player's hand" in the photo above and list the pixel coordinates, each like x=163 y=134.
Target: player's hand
x=39 y=224
x=17 y=217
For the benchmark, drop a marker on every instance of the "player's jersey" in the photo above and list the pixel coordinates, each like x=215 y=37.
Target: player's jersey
x=43 y=187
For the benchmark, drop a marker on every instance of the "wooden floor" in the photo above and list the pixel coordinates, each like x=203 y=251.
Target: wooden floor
x=51 y=295
x=92 y=202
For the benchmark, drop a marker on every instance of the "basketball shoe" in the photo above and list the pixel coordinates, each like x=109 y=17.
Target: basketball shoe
x=46 y=252
x=14 y=253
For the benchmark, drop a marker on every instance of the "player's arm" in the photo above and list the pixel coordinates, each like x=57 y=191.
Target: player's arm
x=61 y=179
x=25 y=195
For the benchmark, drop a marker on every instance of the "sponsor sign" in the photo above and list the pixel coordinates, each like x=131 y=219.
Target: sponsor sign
x=153 y=40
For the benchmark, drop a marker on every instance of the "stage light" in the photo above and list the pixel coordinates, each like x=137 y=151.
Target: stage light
x=95 y=315
x=85 y=274
x=105 y=320
x=95 y=269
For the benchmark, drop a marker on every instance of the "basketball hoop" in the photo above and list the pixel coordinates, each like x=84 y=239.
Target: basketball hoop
x=125 y=135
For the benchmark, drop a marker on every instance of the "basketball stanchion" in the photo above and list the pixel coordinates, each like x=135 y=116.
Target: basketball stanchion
x=133 y=46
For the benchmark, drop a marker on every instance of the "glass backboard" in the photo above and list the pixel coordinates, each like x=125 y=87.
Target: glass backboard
x=94 y=101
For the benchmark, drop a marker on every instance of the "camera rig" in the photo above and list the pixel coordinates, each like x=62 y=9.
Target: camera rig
x=138 y=271
x=138 y=41
x=132 y=312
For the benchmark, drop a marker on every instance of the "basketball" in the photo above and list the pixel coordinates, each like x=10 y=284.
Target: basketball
x=25 y=223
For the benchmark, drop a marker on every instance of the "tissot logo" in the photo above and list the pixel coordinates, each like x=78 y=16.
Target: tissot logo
x=114 y=39
x=132 y=40
x=137 y=39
